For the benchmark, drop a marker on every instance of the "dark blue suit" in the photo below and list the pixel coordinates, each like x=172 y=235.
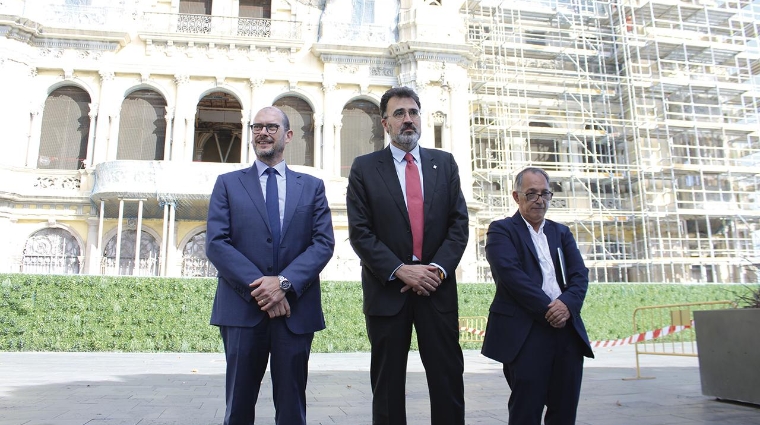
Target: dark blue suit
x=543 y=365
x=239 y=244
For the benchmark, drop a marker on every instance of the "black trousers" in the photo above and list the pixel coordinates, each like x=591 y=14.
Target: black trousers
x=438 y=339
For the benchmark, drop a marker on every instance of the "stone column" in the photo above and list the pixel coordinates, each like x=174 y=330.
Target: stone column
x=138 y=238
x=35 y=134
x=113 y=136
x=102 y=119
x=92 y=252
x=245 y=134
x=179 y=132
x=328 y=141
x=93 y=114
x=319 y=161
x=337 y=157
x=169 y=117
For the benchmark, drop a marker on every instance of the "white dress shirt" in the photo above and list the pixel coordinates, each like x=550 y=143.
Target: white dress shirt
x=550 y=286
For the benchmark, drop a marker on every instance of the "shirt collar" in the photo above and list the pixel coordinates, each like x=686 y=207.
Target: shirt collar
x=261 y=167
x=399 y=154
x=530 y=227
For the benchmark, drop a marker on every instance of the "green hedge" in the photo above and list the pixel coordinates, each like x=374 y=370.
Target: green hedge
x=96 y=313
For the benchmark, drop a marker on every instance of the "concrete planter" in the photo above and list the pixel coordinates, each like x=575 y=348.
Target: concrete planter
x=729 y=353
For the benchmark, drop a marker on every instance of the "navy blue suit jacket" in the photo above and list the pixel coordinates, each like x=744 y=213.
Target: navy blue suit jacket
x=239 y=244
x=519 y=302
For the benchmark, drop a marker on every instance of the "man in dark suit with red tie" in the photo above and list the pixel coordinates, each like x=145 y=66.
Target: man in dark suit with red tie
x=534 y=325
x=408 y=224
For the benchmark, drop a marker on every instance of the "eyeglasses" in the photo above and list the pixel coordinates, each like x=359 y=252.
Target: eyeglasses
x=271 y=128
x=533 y=196
x=400 y=113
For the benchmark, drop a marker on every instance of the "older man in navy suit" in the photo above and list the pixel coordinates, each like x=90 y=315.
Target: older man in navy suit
x=269 y=235
x=534 y=325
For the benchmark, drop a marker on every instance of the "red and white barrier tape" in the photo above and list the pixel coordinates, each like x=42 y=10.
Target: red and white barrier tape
x=644 y=336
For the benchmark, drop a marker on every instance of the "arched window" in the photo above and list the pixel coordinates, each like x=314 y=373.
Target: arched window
x=218 y=129
x=51 y=251
x=361 y=133
x=194 y=260
x=65 y=129
x=300 y=150
x=148 y=261
x=142 y=126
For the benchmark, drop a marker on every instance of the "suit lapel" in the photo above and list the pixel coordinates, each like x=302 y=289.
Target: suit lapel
x=387 y=171
x=550 y=230
x=522 y=230
x=252 y=185
x=293 y=189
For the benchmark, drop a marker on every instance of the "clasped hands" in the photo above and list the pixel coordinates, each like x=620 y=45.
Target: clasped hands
x=270 y=297
x=423 y=279
x=558 y=314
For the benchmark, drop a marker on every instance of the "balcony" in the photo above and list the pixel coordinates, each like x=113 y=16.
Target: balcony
x=219 y=26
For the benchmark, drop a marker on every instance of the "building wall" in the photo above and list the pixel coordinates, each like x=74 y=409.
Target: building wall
x=650 y=135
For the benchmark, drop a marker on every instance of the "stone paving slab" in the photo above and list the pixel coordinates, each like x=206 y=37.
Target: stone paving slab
x=188 y=389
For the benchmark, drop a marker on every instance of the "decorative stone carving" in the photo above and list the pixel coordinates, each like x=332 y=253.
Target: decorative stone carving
x=106 y=75
x=348 y=69
x=382 y=71
x=181 y=79
x=328 y=87
x=56 y=182
x=68 y=74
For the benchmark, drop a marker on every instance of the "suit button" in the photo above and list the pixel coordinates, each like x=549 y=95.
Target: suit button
x=269 y=269
x=269 y=240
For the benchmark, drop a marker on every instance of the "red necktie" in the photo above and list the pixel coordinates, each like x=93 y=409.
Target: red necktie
x=414 y=204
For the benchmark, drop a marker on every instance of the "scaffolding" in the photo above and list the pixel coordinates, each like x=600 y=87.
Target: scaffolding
x=646 y=114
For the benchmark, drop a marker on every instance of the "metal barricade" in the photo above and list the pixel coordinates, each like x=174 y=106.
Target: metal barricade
x=668 y=330
x=472 y=328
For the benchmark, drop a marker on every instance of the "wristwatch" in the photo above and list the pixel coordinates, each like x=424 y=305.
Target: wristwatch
x=285 y=284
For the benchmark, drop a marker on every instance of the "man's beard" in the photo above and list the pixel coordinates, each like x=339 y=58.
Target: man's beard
x=269 y=153
x=408 y=141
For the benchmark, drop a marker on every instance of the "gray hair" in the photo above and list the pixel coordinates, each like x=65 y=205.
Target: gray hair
x=534 y=170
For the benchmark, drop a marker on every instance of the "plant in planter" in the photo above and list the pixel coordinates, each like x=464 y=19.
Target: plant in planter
x=729 y=349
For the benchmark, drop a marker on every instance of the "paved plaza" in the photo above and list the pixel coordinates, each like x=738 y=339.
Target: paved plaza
x=188 y=389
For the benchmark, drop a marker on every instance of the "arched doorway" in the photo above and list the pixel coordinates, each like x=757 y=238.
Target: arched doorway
x=148 y=261
x=51 y=251
x=194 y=260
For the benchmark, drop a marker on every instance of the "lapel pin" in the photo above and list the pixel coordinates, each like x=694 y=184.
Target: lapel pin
x=435 y=166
